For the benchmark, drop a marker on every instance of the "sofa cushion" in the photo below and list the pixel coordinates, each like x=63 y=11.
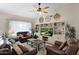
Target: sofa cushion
x=71 y=50
x=4 y=50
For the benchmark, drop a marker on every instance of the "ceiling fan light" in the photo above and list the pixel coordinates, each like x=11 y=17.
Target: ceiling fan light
x=39 y=9
x=39 y=12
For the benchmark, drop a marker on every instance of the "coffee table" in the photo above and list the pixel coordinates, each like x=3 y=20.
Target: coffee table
x=39 y=44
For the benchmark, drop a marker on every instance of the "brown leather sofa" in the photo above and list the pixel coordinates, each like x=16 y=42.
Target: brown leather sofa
x=23 y=36
x=23 y=50
x=6 y=50
x=60 y=48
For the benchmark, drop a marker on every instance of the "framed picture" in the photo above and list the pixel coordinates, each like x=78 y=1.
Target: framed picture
x=41 y=19
x=57 y=16
x=47 y=18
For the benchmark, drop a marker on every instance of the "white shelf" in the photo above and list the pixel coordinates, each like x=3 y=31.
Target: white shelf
x=55 y=36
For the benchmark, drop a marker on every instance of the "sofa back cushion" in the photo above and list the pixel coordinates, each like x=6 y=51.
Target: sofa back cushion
x=62 y=45
x=58 y=43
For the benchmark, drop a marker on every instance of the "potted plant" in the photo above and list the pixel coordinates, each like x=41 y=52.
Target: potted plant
x=70 y=33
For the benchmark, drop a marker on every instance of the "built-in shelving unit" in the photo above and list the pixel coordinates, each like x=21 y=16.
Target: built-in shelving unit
x=57 y=27
x=54 y=29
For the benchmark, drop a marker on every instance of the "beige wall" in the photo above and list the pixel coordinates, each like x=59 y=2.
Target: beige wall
x=74 y=21
x=5 y=18
x=71 y=15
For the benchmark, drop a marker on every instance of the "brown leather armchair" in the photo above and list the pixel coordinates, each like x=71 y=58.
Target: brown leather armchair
x=53 y=50
x=60 y=48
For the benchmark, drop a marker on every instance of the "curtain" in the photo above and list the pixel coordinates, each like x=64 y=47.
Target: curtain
x=19 y=26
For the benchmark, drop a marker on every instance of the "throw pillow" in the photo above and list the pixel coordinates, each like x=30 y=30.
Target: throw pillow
x=28 y=47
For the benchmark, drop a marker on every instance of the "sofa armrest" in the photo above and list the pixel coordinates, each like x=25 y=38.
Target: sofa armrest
x=5 y=51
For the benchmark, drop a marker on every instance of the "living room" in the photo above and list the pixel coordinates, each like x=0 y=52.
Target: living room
x=39 y=29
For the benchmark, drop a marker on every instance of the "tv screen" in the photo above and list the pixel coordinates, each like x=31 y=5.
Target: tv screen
x=47 y=31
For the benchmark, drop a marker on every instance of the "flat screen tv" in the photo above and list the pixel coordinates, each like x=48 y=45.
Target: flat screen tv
x=46 y=31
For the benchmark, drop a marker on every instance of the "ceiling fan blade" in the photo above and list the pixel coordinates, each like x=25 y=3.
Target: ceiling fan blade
x=35 y=6
x=46 y=7
x=34 y=10
x=41 y=9
x=45 y=11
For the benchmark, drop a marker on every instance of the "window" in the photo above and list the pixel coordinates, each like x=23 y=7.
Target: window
x=19 y=26
x=1 y=41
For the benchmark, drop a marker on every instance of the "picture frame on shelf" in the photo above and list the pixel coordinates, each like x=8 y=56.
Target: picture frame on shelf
x=47 y=18
x=37 y=28
x=41 y=19
x=59 y=28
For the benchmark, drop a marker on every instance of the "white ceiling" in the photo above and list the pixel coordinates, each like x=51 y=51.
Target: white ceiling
x=25 y=9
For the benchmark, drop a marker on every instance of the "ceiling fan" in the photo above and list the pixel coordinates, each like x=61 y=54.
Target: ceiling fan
x=41 y=9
